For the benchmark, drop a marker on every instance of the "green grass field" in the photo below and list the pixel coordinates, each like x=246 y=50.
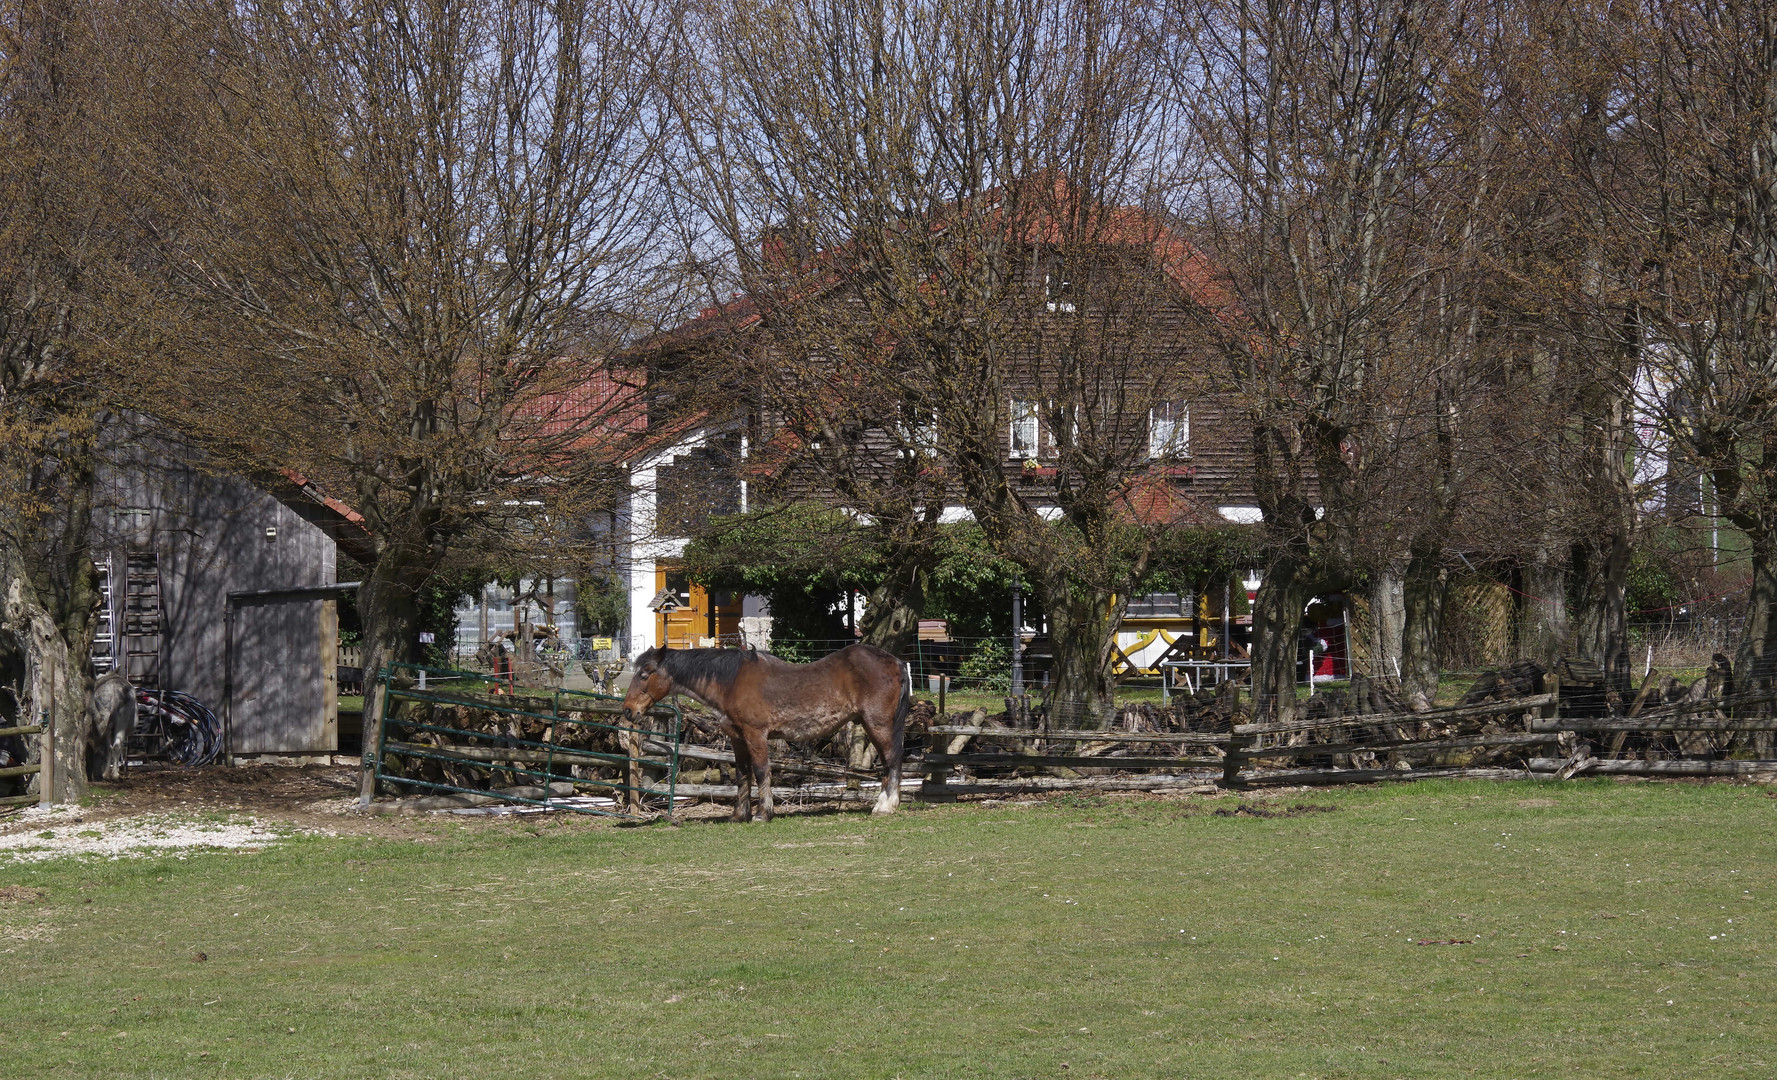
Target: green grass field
x=1617 y=930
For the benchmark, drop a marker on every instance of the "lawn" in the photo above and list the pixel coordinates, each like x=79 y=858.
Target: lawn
x=1609 y=930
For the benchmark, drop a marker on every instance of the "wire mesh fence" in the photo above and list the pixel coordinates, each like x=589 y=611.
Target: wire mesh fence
x=1684 y=643
x=966 y=666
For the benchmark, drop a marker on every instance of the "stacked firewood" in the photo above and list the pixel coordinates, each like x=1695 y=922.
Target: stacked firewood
x=492 y=732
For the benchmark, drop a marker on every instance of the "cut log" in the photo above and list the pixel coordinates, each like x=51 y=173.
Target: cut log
x=1033 y=784
x=1439 y=716
x=977 y=720
x=1190 y=738
x=788 y=767
x=420 y=804
x=726 y=792
x=1315 y=777
x=1667 y=722
x=1503 y=738
x=1068 y=761
x=1608 y=767
x=478 y=754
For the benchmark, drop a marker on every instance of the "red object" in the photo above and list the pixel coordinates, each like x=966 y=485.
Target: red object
x=1333 y=663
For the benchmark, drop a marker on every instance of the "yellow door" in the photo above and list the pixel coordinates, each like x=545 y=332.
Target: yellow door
x=691 y=626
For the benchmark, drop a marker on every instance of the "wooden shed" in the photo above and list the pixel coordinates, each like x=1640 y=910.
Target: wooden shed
x=172 y=542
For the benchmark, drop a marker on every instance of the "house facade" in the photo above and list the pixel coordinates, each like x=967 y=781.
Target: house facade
x=1189 y=464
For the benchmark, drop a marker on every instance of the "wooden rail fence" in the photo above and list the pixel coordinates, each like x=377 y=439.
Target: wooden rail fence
x=1499 y=739
x=27 y=770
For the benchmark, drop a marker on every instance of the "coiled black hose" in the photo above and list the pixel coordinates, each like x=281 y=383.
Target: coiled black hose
x=192 y=733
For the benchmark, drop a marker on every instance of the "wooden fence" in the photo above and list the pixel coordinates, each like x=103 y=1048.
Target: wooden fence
x=29 y=769
x=1524 y=737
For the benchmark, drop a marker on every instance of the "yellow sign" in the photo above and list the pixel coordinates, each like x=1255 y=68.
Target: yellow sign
x=603 y=643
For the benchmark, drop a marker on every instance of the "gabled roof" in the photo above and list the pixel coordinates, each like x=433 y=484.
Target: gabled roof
x=822 y=272
x=339 y=522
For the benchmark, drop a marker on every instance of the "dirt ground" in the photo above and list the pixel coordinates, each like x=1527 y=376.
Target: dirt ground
x=319 y=798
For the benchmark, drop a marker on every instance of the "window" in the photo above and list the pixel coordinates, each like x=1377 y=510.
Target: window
x=1024 y=429
x=1169 y=430
x=918 y=430
x=1164 y=605
x=1059 y=292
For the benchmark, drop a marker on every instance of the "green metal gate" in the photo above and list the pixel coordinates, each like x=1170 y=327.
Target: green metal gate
x=536 y=740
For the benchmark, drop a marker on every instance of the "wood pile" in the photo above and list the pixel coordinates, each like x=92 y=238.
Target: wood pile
x=491 y=736
x=1523 y=678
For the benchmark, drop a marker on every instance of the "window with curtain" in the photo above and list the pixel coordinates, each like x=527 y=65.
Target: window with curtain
x=1169 y=430
x=1024 y=429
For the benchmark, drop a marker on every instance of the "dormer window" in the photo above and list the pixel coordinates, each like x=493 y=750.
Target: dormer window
x=1058 y=291
x=1169 y=430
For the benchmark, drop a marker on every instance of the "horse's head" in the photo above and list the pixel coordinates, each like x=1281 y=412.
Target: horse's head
x=648 y=685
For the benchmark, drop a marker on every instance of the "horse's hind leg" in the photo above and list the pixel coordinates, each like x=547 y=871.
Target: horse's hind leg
x=881 y=730
x=743 y=779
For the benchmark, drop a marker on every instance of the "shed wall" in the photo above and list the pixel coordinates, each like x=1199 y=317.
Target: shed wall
x=211 y=535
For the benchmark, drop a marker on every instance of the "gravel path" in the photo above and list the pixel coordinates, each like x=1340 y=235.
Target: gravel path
x=58 y=832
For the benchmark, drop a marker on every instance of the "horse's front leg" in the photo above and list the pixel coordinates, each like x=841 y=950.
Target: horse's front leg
x=743 y=778
x=759 y=749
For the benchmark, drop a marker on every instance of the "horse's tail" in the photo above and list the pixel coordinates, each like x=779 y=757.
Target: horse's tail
x=901 y=709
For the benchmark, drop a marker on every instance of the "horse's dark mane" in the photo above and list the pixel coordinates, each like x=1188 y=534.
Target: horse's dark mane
x=697 y=668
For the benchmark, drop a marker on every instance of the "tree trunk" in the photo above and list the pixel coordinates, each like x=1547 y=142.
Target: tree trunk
x=1423 y=589
x=1387 y=622
x=57 y=688
x=1542 y=610
x=1284 y=593
x=893 y=608
x=1601 y=624
x=1082 y=628
x=1755 y=664
x=48 y=605
x=388 y=605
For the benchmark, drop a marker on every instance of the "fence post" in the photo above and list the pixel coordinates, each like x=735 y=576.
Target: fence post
x=632 y=747
x=1237 y=744
x=1235 y=758
x=933 y=788
x=1552 y=685
x=46 y=758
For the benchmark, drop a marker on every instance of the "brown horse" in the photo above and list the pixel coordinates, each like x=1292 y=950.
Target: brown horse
x=761 y=697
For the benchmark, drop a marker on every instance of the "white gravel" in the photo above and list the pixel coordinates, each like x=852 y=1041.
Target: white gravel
x=53 y=833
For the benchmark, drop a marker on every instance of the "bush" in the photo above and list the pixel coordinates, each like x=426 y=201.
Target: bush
x=989 y=667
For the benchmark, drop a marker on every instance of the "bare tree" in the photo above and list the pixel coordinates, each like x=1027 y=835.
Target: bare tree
x=1329 y=178
x=1705 y=119
x=949 y=213
x=59 y=234
x=1561 y=327
x=408 y=236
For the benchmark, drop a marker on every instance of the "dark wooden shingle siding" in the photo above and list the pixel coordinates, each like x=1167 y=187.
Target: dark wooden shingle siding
x=1166 y=358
